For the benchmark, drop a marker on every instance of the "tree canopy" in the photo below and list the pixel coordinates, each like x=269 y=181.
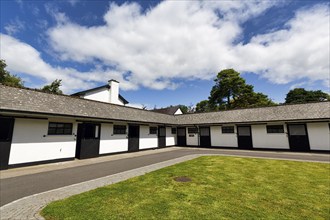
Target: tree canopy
x=7 y=79
x=231 y=91
x=54 y=87
x=300 y=95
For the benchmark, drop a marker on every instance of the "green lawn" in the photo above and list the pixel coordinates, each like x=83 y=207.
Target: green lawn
x=221 y=188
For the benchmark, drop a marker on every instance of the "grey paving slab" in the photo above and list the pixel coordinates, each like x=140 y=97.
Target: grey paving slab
x=33 y=191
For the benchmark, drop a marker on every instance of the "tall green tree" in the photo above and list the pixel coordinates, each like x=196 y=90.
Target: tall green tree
x=203 y=106
x=54 y=87
x=231 y=91
x=7 y=79
x=300 y=95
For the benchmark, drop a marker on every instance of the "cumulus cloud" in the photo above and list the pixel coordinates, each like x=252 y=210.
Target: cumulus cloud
x=190 y=40
x=300 y=51
x=182 y=40
x=30 y=62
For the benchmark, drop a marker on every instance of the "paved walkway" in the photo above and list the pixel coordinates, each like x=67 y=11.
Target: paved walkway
x=23 y=196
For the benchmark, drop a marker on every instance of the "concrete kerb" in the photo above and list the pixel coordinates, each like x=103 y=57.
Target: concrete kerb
x=30 y=206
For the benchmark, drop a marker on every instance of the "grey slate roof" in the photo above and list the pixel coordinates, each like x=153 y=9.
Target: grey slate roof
x=308 y=111
x=169 y=110
x=31 y=101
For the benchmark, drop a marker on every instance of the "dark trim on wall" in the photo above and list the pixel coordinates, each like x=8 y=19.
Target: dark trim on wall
x=75 y=116
x=94 y=122
x=39 y=162
x=24 y=117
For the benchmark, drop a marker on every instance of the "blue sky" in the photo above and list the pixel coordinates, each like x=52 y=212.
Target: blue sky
x=167 y=53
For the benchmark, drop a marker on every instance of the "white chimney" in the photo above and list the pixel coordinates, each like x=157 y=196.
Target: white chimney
x=114 y=92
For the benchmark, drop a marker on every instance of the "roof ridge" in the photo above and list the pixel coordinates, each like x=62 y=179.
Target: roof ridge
x=75 y=97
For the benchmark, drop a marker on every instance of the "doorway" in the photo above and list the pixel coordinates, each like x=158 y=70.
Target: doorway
x=181 y=136
x=205 y=138
x=88 y=140
x=298 y=137
x=161 y=136
x=133 y=138
x=244 y=137
x=6 y=135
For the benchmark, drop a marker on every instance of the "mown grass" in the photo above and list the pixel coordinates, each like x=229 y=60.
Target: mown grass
x=221 y=188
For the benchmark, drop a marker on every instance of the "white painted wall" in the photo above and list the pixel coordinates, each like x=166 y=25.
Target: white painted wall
x=319 y=136
x=102 y=95
x=30 y=145
x=147 y=140
x=192 y=139
x=178 y=112
x=170 y=138
x=111 y=143
x=223 y=140
x=262 y=139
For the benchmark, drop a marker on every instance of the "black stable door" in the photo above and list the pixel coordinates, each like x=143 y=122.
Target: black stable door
x=6 y=134
x=298 y=138
x=244 y=137
x=161 y=136
x=133 y=137
x=205 y=137
x=88 y=140
x=181 y=137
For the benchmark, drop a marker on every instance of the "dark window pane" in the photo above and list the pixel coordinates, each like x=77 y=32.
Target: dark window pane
x=59 y=131
x=205 y=131
x=152 y=130
x=119 y=129
x=297 y=130
x=162 y=132
x=192 y=130
x=227 y=129
x=173 y=130
x=275 y=129
x=57 y=128
x=181 y=132
x=89 y=131
x=243 y=131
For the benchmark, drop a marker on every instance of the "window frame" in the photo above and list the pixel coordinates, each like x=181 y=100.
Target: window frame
x=192 y=130
x=275 y=129
x=66 y=126
x=153 y=130
x=228 y=129
x=173 y=130
x=119 y=129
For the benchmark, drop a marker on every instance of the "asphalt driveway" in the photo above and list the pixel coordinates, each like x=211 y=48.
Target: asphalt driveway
x=18 y=187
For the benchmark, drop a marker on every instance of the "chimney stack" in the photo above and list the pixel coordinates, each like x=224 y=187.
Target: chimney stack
x=114 y=91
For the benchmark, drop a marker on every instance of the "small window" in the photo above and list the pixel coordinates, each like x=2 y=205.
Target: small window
x=227 y=129
x=173 y=130
x=56 y=128
x=192 y=130
x=152 y=130
x=119 y=129
x=275 y=129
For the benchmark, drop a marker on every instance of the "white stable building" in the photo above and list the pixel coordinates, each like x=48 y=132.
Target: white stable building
x=38 y=127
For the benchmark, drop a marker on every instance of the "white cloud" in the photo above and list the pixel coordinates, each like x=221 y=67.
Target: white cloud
x=301 y=51
x=180 y=40
x=73 y=2
x=31 y=63
x=14 y=26
x=190 y=40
